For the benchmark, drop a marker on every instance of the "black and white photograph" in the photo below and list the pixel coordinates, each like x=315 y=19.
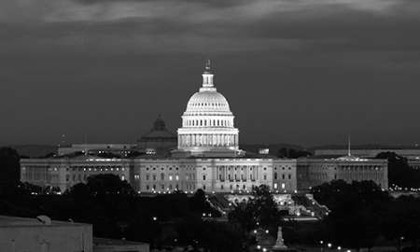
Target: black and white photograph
x=209 y=125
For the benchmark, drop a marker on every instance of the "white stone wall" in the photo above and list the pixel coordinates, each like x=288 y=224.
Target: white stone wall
x=313 y=172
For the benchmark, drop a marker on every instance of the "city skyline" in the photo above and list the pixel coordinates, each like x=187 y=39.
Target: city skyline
x=306 y=73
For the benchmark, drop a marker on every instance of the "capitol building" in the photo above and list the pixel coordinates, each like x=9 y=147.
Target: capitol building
x=204 y=154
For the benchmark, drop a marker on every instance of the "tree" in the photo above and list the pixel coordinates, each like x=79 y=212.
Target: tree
x=108 y=184
x=9 y=168
x=260 y=211
x=356 y=211
x=399 y=172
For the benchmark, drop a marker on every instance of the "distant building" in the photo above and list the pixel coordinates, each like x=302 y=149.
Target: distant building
x=43 y=235
x=414 y=163
x=316 y=171
x=158 y=140
x=369 y=153
x=207 y=157
x=64 y=172
x=96 y=149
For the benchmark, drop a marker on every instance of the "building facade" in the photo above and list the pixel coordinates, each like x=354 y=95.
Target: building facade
x=409 y=153
x=207 y=157
x=316 y=171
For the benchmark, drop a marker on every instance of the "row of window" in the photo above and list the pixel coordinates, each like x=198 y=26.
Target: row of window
x=154 y=168
x=80 y=178
x=218 y=123
x=162 y=177
x=283 y=176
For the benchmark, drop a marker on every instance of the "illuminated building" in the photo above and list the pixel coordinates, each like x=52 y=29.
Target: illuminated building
x=316 y=171
x=208 y=124
x=208 y=157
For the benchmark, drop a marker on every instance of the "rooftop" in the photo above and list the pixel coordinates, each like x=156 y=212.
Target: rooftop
x=13 y=221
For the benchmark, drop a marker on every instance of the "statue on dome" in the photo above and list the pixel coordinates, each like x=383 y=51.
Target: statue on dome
x=208 y=66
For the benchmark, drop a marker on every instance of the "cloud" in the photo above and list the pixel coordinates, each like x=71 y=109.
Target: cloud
x=193 y=10
x=212 y=26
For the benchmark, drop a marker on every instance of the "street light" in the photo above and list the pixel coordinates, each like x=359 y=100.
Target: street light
x=321 y=242
x=339 y=247
x=329 y=245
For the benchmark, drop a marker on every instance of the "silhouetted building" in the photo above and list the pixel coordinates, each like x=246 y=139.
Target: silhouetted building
x=158 y=140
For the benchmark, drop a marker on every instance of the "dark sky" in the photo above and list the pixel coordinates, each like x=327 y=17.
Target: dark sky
x=294 y=71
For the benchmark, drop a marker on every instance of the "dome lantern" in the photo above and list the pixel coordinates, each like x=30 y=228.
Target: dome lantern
x=208 y=77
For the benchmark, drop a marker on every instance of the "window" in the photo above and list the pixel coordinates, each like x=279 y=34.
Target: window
x=147 y=176
x=177 y=177
x=290 y=176
x=147 y=187
x=265 y=176
x=283 y=176
x=275 y=185
x=170 y=177
x=154 y=176
x=136 y=176
x=275 y=175
x=162 y=176
x=221 y=187
x=204 y=187
x=204 y=177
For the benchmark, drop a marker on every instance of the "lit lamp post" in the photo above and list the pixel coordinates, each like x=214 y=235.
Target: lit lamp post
x=322 y=245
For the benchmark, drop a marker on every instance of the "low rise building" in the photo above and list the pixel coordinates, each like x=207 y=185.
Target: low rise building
x=43 y=235
x=315 y=171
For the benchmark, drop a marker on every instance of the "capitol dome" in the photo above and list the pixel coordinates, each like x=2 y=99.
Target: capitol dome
x=208 y=123
x=208 y=101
